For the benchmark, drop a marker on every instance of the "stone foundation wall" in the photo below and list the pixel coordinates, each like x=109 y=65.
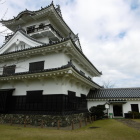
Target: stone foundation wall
x=37 y=120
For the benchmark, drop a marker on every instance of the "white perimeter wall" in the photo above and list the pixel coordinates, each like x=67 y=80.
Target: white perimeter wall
x=125 y=107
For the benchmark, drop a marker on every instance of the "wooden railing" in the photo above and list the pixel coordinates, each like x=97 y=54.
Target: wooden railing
x=41 y=27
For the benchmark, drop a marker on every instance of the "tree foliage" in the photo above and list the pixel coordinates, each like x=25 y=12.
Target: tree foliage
x=108 y=84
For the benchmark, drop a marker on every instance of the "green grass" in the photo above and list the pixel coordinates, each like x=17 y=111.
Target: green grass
x=109 y=130
x=137 y=120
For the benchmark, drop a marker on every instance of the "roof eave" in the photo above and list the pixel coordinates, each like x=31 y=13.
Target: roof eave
x=95 y=71
x=45 y=10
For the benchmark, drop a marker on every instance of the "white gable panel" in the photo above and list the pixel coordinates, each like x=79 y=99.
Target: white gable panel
x=18 y=42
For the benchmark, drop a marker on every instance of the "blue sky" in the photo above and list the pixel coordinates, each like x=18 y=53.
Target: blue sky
x=109 y=33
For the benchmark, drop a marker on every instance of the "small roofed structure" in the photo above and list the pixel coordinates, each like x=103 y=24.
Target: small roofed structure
x=121 y=100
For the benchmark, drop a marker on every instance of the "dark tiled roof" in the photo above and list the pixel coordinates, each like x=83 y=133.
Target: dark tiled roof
x=114 y=93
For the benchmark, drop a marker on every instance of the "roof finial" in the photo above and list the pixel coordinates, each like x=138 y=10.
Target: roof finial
x=52 y=2
x=58 y=9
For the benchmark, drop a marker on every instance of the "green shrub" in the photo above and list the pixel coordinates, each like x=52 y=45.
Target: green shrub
x=136 y=115
x=98 y=111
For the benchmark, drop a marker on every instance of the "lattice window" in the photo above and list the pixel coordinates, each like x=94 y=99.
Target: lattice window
x=9 y=69
x=36 y=66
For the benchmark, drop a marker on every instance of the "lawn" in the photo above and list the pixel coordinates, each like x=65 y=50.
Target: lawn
x=137 y=120
x=108 y=130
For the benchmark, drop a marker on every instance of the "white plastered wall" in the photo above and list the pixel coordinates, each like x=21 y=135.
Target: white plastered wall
x=125 y=107
x=52 y=60
x=16 y=40
x=48 y=86
x=43 y=39
x=78 y=88
x=79 y=67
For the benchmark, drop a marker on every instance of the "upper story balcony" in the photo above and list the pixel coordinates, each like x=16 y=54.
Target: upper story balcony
x=43 y=30
x=40 y=31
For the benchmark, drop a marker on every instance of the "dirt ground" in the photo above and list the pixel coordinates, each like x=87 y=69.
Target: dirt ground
x=130 y=123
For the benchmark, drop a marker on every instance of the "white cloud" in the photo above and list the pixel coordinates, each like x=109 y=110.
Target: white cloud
x=109 y=32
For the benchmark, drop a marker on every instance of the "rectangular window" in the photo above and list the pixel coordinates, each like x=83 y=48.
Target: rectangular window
x=9 y=69
x=34 y=96
x=36 y=66
x=135 y=107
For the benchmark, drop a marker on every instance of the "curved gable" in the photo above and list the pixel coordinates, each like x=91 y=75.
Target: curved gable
x=19 y=41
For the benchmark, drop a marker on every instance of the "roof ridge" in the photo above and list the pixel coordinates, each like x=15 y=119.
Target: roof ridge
x=27 y=11
x=86 y=57
x=114 y=94
x=121 y=88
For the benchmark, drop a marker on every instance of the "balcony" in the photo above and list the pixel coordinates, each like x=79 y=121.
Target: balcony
x=44 y=30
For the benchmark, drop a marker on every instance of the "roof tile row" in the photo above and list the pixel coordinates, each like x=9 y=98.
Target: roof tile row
x=114 y=93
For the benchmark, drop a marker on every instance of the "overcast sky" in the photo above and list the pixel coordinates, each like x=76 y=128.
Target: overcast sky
x=109 y=32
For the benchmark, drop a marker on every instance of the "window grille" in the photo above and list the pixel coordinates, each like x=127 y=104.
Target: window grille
x=9 y=69
x=36 y=66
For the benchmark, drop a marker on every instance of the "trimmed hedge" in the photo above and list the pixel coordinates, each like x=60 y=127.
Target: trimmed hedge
x=132 y=115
